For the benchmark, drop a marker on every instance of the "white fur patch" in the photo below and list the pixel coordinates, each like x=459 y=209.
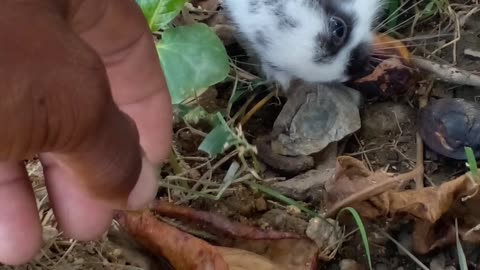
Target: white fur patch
x=292 y=49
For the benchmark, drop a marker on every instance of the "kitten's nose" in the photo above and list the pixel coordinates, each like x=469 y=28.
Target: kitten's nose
x=359 y=65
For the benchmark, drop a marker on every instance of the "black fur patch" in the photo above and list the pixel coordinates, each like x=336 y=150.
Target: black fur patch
x=254 y=6
x=261 y=38
x=327 y=47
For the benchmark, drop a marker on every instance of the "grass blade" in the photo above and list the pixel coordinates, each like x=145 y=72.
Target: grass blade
x=472 y=162
x=362 y=230
x=282 y=198
x=462 y=260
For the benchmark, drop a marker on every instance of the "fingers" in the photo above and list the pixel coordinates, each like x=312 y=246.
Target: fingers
x=79 y=215
x=20 y=229
x=139 y=88
x=137 y=81
x=108 y=163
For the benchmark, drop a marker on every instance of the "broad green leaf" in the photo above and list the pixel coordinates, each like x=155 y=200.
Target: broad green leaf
x=193 y=58
x=159 y=13
x=218 y=140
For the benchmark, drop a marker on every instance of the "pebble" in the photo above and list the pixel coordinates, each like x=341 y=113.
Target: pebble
x=348 y=264
x=438 y=262
x=381 y=266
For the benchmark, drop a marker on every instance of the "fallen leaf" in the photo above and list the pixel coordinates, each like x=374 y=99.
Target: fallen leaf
x=181 y=249
x=352 y=176
x=291 y=250
x=216 y=224
x=433 y=209
x=187 y=252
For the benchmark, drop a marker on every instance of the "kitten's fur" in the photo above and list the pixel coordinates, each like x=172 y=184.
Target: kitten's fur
x=292 y=38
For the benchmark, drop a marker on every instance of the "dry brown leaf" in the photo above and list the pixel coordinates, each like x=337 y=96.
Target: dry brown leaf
x=292 y=251
x=216 y=224
x=433 y=209
x=238 y=259
x=182 y=250
x=351 y=177
x=244 y=247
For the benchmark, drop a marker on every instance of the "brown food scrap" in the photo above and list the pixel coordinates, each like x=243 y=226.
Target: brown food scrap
x=392 y=75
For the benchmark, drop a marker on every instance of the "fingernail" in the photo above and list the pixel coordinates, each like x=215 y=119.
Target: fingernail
x=146 y=188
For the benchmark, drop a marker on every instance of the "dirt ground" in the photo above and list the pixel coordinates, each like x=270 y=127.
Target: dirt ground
x=380 y=144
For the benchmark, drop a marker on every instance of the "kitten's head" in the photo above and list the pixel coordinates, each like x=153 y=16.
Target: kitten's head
x=324 y=41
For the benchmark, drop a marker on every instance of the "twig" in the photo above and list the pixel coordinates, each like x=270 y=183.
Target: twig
x=256 y=108
x=447 y=73
x=373 y=190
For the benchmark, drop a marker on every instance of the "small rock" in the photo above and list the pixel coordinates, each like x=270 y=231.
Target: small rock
x=347 y=264
x=314 y=117
x=79 y=261
x=309 y=186
x=450 y=268
x=261 y=204
x=324 y=232
x=282 y=221
x=382 y=119
x=293 y=210
x=438 y=262
x=381 y=266
x=405 y=240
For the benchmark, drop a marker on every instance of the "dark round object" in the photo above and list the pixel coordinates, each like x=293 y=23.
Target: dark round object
x=449 y=125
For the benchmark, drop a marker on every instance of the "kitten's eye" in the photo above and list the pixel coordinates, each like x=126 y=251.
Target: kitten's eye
x=338 y=28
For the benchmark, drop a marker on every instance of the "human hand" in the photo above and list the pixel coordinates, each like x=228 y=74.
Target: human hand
x=66 y=65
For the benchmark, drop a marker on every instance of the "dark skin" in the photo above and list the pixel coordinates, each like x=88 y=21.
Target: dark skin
x=82 y=88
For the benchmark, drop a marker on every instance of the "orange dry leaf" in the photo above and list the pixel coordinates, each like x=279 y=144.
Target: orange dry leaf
x=434 y=209
x=385 y=45
x=216 y=223
x=182 y=250
x=243 y=247
x=290 y=250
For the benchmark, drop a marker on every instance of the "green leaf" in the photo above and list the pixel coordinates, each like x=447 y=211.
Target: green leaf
x=362 y=230
x=219 y=139
x=193 y=58
x=193 y=115
x=393 y=10
x=159 y=13
x=277 y=195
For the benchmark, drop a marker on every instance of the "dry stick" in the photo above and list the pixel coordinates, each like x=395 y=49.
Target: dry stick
x=423 y=101
x=419 y=163
x=447 y=73
x=373 y=190
x=257 y=107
